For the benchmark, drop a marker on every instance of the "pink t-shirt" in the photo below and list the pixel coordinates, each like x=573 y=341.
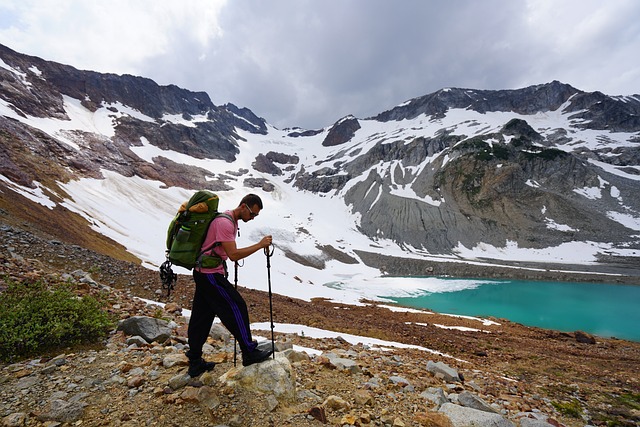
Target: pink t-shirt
x=221 y=230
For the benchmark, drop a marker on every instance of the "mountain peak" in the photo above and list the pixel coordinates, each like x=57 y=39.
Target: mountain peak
x=529 y=100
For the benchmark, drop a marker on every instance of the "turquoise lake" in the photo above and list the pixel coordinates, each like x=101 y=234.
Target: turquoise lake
x=606 y=310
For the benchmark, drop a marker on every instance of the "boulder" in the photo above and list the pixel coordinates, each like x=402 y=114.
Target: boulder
x=584 y=338
x=273 y=376
x=220 y=333
x=149 y=328
x=62 y=411
x=173 y=359
x=461 y=416
x=295 y=356
x=17 y=419
x=336 y=403
x=435 y=395
x=444 y=371
x=472 y=401
x=532 y=422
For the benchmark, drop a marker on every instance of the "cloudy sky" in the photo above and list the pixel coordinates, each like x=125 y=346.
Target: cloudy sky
x=308 y=63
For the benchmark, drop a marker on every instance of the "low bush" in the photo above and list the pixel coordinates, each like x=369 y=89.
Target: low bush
x=570 y=409
x=36 y=318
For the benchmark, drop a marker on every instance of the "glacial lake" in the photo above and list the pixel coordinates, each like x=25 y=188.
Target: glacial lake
x=606 y=310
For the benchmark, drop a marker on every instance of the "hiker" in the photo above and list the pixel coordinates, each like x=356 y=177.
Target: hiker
x=215 y=295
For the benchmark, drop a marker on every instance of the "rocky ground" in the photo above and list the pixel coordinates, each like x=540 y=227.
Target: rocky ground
x=565 y=378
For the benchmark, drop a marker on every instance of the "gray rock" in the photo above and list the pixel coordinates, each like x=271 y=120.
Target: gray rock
x=208 y=348
x=272 y=403
x=27 y=382
x=154 y=375
x=472 y=401
x=308 y=395
x=273 y=376
x=116 y=379
x=532 y=422
x=136 y=371
x=178 y=381
x=219 y=332
x=444 y=371
x=207 y=398
x=398 y=380
x=149 y=328
x=435 y=395
x=61 y=411
x=584 y=338
x=88 y=280
x=336 y=403
x=59 y=360
x=343 y=364
x=283 y=345
x=295 y=356
x=137 y=340
x=461 y=416
x=17 y=419
x=173 y=359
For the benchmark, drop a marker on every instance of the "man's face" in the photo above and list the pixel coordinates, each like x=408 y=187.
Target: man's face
x=250 y=212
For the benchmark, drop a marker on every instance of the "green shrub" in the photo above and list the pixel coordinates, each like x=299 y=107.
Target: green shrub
x=631 y=400
x=500 y=151
x=571 y=409
x=35 y=318
x=484 y=155
x=545 y=153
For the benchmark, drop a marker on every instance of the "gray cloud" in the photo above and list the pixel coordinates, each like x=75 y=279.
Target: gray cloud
x=307 y=63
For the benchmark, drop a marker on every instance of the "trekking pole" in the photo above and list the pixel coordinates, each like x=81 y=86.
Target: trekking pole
x=268 y=255
x=235 y=282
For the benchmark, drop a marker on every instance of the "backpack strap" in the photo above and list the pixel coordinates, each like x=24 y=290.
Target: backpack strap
x=214 y=245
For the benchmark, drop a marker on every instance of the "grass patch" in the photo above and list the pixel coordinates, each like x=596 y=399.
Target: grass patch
x=571 y=409
x=36 y=318
x=630 y=400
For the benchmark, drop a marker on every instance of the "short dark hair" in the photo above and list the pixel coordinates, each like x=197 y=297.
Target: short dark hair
x=252 y=199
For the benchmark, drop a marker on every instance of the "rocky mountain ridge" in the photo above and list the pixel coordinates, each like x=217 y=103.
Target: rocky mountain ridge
x=590 y=110
x=540 y=166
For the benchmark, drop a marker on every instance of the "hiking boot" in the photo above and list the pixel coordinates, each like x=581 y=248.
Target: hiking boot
x=198 y=366
x=256 y=356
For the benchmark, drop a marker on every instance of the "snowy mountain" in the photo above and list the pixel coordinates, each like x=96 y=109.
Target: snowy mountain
x=546 y=174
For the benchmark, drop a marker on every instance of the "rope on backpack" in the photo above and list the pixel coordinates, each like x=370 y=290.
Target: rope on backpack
x=168 y=277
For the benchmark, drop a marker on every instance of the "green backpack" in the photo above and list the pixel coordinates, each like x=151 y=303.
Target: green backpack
x=188 y=230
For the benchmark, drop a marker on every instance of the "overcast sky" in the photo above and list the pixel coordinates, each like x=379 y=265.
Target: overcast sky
x=308 y=63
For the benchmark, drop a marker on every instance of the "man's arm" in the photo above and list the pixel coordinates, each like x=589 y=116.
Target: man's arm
x=235 y=254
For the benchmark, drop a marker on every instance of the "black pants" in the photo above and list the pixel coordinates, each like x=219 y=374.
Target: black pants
x=215 y=296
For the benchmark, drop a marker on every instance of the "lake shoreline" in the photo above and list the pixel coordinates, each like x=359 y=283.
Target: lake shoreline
x=623 y=271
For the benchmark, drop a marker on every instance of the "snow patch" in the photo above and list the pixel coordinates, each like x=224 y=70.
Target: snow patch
x=34 y=194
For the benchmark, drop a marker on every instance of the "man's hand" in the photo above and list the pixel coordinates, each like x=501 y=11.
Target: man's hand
x=266 y=241
x=234 y=253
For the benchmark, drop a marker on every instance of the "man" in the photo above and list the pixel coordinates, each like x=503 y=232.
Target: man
x=215 y=295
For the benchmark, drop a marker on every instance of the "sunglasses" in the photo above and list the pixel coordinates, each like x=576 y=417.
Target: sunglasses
x=252 y=213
